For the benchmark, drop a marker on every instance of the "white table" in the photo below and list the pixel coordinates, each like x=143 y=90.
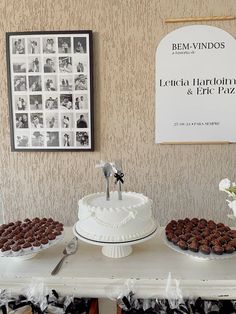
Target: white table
x=88 y=273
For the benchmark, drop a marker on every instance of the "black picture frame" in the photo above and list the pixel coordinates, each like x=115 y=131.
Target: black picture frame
x=50 y=90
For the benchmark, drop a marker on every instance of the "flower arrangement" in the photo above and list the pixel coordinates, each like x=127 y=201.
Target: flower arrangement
x=229 y=187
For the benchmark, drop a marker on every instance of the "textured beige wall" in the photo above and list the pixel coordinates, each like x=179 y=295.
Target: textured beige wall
x=182 y=180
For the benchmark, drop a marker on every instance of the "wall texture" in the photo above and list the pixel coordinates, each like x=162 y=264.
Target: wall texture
x=181 y=179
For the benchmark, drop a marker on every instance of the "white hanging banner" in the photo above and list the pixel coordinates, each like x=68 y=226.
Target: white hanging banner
x=196 y=86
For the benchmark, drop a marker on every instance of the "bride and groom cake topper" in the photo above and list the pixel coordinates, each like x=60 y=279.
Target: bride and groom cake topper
x=110 y=168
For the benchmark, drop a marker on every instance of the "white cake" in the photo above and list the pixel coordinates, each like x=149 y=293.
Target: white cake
x=115 y=220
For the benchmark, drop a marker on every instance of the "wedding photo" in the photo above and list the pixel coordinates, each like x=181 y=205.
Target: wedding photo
x=36 y=120
x=52 y=120
x=21 y=102
x=67 y=139
x=50 y=83
x=67 y=120
x=20 y=83
x=19 y=65
x=66 y=101
x=81 y=82
x=49 y=45
x=64 y=44
x=51 y=102
x=66 y=82
x=65 y=64
x=52 y=139
x=37 y=138
x=82 y=139
x=81 y=101
x=35 y=83
x=80 y=45
x=22 y=140
x=49 y=65
x=21 y=120
x=82 y=120
x=18 y=46
x=34 y=64
x=33 y=45
x=80 y=64
x=36 y=102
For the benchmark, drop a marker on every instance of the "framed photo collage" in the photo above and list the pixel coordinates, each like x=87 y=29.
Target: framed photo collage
x=50 y=90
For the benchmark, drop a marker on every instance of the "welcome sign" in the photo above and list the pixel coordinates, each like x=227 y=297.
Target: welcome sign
x=196 y=86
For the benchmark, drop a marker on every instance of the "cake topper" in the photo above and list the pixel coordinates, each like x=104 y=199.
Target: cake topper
x=107 y=171
x=118 y=174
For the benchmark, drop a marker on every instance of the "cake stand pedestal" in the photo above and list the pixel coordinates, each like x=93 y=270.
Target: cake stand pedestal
x=115 y=249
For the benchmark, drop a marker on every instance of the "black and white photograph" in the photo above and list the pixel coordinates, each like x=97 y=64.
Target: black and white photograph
x=18 y=46
x=20 y=83
x=67 y=120
x=67 y=139
x=64 y=44
x=66 y=101
x=80 y=64
x=49 y=45
x=50 y=83
x=21 y=120
x=22 y=139
x=66 y=83
x=35 y=83
x=34 y=64
x=19 y=65
x=80 y=45
x=82 y=139
x=65 y=64
x=21 y=102
x=81 y=82
x=81 y=101
x=33 y=45
x=49 y=65
x=37 y=139
x=51 y=102
x=36 y=102
x=36 y=120
x=82 y=120
x=50 y=90
x=52 y=120
x=52 y=139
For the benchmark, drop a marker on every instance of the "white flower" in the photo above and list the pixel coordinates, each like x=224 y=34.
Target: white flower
x=224 y=184
x=232 y=205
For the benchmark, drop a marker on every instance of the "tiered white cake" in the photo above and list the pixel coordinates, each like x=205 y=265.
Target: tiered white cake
x=129 y=219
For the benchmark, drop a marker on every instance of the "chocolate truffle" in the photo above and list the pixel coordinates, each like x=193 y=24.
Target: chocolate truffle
x=205 y=249
x=217 y=249
x=182 y=244
x=229 y=249
x=26 y=245
x=193 y=246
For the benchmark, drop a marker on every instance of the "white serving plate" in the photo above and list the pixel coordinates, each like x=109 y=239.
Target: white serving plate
x=197 y=256
x=26 y=254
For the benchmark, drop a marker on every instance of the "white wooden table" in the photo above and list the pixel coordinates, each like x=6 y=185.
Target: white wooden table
x=90 y=274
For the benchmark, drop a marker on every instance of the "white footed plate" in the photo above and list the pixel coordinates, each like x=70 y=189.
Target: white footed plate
x=115 y=249
x=196 y=256
x=27 y=254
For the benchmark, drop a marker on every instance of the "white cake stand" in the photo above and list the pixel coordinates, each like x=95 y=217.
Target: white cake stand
x=115 y=249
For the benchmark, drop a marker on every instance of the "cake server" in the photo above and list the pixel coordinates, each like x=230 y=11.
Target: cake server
x=70 y=249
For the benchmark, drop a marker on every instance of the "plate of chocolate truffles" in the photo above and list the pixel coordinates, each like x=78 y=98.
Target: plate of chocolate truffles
x=26 y=238
x=200 y=238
